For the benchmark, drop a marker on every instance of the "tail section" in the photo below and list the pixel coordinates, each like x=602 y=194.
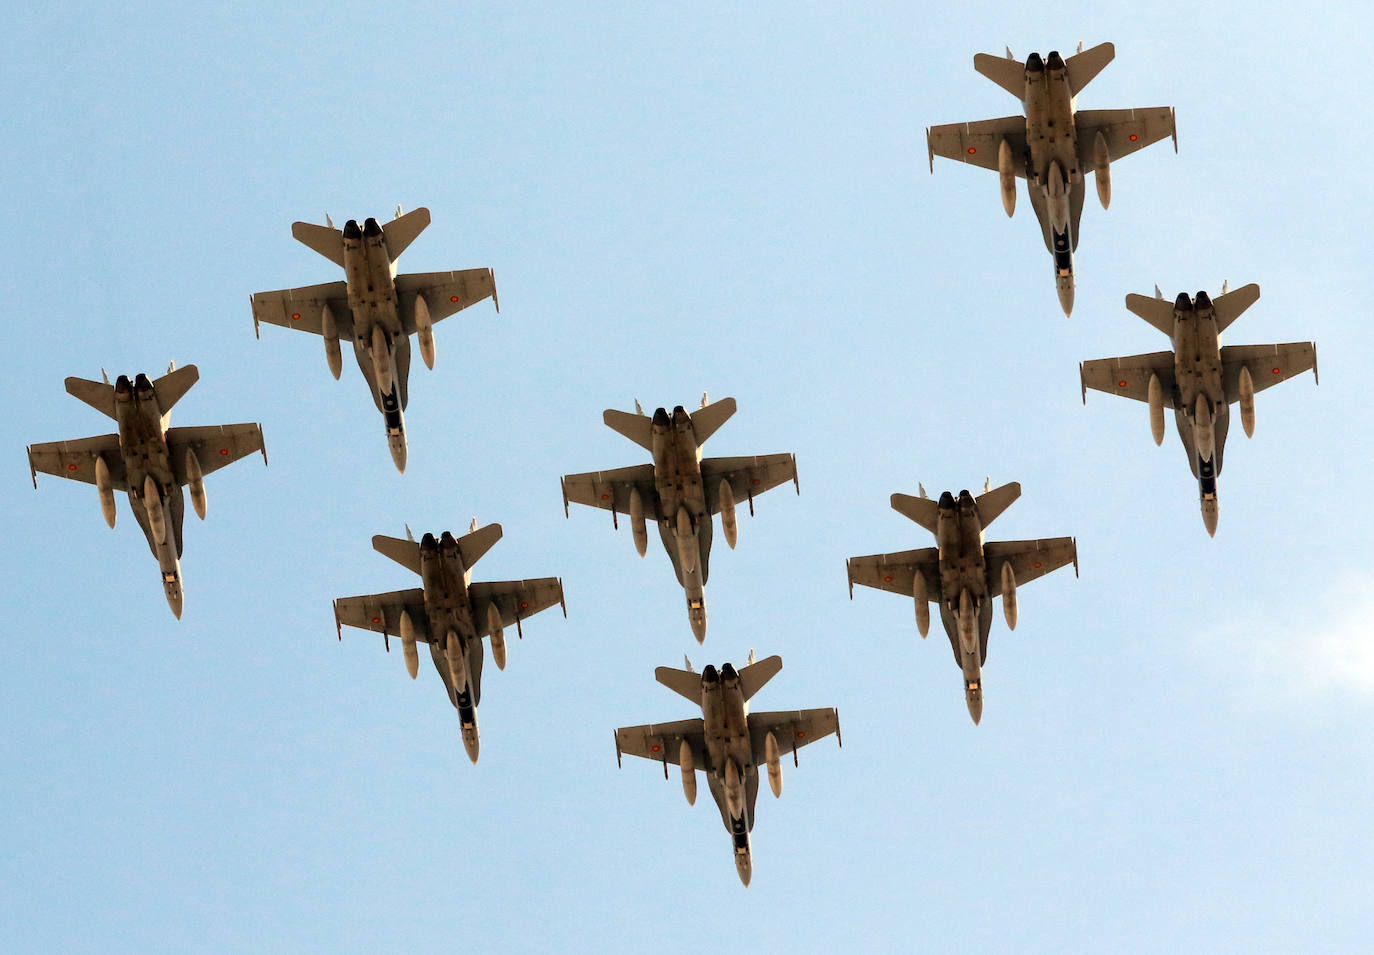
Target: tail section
x=1157 y=311
x=992 y=503
x=708 y=419
x=755 y=675
x=1086 y=64
x=172 y=387
x=404 y=552
x=682 y=682
x=637 y=427
x=326 y=240
x=1229 y=306
x=473 y=546
x=1006 y=72
x=922 y=510
x=99 y=395
x=402 y=230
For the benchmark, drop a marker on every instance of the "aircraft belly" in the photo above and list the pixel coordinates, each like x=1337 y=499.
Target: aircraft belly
x=952 y=631
x=668 y=536
x=1185 y=433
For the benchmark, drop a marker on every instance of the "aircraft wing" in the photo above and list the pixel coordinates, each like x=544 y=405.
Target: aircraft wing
x=1268 y=364
x=515 y=600
x=792 y=729
x=1125 y=130
x=896 y=573
x=303 y=308
x=977 y=143
x=1130 y=376
x=445 y=293
x=381 y=613
x=611 y=489
x=748 y=476
x=76 y=460
x=1028 y=559
x=662 y=742
x=215 y=445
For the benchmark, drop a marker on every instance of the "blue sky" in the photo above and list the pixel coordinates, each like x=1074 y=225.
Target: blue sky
x=1175 y=752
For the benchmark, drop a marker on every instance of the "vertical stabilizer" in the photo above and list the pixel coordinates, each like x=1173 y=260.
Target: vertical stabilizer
x=1231 y=305
x=326 y=240
x=636 y=427
x=1084 y=65
x=682 y=682
x=404 y=552
x=994 y=502
x=402 y=230
x=99 y=395
x=755 y=675
x=473 y=546
x=172 y=387
x=707 y=420
x=921 y=509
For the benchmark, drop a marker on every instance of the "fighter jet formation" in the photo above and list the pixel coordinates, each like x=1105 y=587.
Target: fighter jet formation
x=962 y=574
x=148 y=460
x=1052 y=146
x=727 y=742
x=680 y=490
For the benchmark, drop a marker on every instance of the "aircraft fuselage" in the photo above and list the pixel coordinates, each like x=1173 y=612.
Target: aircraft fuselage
x=1053 y=172
x=155 y=495
x=454 y=646
x=731 y=776
x=685 y=524
x=965 y=606
x=1201 y=412
x=380 y=343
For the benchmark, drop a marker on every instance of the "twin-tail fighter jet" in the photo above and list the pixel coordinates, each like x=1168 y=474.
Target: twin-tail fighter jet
x=1053 y=146
x=374 y=307
x=450 y=613
x=963 y=574
x=680 y=490
x=148 y=460
x=1200 y=378
x=728 y=743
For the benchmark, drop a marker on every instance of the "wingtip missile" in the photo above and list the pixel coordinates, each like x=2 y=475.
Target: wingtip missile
x=921 y=488
x=1158 y=294
x=1011 y=56
x=704 y=401
x=328 y=221
x=639 y=409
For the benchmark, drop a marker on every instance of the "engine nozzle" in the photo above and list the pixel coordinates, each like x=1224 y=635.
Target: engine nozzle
x=1054 y=61
x=709 y=674
x=946 y=501
x=371 y=229
x=1034 y=64
x=124 y=388
x=351 y=230
x=428 y=545
x=728 y=672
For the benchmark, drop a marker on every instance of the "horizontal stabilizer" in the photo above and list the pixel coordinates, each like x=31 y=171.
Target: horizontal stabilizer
x=1157 y=311
x=994 y=502
x=707 y=421
x=920 y=509
x=474 y=545
x=402 y=231
x=682 y=682
x=1232 y=305
x=404 y=552
x=97 y=394
x=755 y=675
x=1008 y=74
x=1084 y=66
x=323 y=239
x=637 y=427
x=172 y=387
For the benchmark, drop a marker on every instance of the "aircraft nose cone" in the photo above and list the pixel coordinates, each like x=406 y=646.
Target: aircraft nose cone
x=973 y=696
x=351 y=230
x=174 y=600
x=709 y=675
x=371 y=229
x=1034 y=64
x=397 y=444
x=1210 y=513
x=745 y=867
x=1064 y=286
x=471 y=743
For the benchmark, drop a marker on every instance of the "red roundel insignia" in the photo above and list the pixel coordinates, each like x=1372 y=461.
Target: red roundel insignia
x=1134 y=137
x=376 y=619
x=71 y=467
x=654 y=748
x=1276 y=371
x=801 y=734
x=1121 y=383
x=972 y=151
x=1038 y=564
x=295 y=316
x=453 y=298
x=224 y=451
x=605 y=497
x=887 y=580
x=524 y=605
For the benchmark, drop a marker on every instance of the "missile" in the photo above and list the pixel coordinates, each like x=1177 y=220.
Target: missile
x=734 y=788
x=1156 y=401
x=770 y=753
x=424 y=329
x=729 y=523
x=637 y=528
x=687 y=548
x=102 y=487
x=1102 y=169
x=1009 y=594
x=498 y=636
x=408 y=645
x=1204 y=435
x=918 y=590
x=381 y=359
x=689 y=773
x=330 y=330
x=152 y=502
x=1247 y=404
x=195 y=480
x=1008 y=177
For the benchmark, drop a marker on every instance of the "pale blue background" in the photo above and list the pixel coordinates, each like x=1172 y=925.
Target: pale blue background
x=1176 y=749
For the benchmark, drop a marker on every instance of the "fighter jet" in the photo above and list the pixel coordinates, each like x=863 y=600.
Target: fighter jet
x=680 y=490
x=963 y=574
x=374 y=307
x=1052 y=146
x=728 y=743
x=1200 y=378
x=450 y=613
x=148 y=459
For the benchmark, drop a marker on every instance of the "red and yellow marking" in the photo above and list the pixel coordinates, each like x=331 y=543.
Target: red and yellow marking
x=376 y=619
x=973 y=150
x=1276 y=371
x=1134 y=137
x=295 y=316
x=887 y=580
x=524 y=605
x=224 y=451
x=1121 y=383
x=71 y=467
x=653 y=748
x=453 y=299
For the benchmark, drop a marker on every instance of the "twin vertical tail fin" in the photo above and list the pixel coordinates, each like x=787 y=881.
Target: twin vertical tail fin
x=402 y=230
x=473 y=546
x=1084 y=65
x=326 y=240
x=707 y=419
x=1229 y=306
x=755 y=675
x=172 y=387
x=992 y=503
x=99 y=395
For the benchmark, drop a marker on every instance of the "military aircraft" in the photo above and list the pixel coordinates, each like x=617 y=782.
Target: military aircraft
x=374 y=307
x=1200 y=378
x=1052 y=146
x=148 y=459
x=680 y=490
x=963 y=574
x=450 y=612
x=728 y=743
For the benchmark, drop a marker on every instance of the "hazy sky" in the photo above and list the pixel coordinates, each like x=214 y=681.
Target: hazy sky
x=1176 y=747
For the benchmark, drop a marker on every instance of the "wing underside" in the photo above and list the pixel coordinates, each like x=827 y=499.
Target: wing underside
x=1129 y=376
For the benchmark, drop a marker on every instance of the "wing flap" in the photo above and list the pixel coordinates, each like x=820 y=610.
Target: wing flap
x=1124 y=130
x=977 y=143
x=446 y=293
x=610 y=490
x=662 y=742
x=792 y=729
